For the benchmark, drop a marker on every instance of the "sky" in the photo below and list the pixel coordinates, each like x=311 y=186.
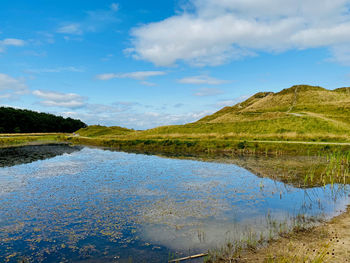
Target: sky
x=142 y=64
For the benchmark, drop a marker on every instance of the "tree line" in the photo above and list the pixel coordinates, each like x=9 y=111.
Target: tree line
x=27 y=121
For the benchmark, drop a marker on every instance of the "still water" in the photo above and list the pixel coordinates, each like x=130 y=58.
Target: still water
x=93 y=205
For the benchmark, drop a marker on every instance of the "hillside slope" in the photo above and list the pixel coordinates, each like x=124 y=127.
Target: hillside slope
x=295 y=101
x=98 y=131
x=298 y=113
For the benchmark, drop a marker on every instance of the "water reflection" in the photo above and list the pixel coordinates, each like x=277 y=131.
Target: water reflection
x=27 y=154
x=102 y=206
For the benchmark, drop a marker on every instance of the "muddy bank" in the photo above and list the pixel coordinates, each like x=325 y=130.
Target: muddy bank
x=329 y=242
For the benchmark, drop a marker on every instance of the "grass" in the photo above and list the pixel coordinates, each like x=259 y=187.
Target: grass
x=213 y=146
x=244 y=250
x=333 y=168
x=233 y=252
x=319 y=258
x=97 y=130
x=7 y=140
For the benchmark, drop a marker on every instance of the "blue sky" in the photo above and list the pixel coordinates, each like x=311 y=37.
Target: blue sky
x=141 y=64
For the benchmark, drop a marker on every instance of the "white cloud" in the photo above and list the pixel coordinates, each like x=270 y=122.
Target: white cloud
x=199 y=80
x=148 y=83
x=64 y=104
x=58 y=99
x=144 y=120
x=7 y=42
x=231 y=102
x=215 y=31
x=106 y=76
x=92 y=22
x=55 y=70
x=114 y=7
x=12 y=42
x=45 y=37
x=207 y=92
x=178 y=105
x=107 y=57
x=138 y=75
x=341 y=54
x=11 y=88
x=73 y=28
x=117 y=107
x=224 y=103
x=132 y=115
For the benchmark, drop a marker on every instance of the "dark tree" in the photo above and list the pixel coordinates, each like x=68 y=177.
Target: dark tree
x=26 y=121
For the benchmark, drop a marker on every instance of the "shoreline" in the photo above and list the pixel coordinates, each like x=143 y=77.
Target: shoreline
x=34 y=143
x=213 y=147
x=184 y=146
x=327 y=242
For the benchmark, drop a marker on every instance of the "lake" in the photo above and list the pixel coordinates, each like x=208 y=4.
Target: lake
x=78 y=204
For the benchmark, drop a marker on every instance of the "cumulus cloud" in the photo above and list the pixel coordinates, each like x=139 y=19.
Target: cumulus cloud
x=11 y=88
x=199 y=80
x=212 y=32
x=58 y=99
x=7 y=42
x=207 y=92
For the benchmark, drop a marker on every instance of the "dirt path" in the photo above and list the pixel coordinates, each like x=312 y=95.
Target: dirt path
x=329 y=242
x=295 y=98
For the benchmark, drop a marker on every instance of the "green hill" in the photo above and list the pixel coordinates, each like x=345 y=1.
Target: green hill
x=97 y=131
x=298 y=113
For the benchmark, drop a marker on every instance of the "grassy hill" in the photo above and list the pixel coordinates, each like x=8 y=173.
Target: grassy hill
x=301 y=113
x=298 y=113
x=100 y=131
